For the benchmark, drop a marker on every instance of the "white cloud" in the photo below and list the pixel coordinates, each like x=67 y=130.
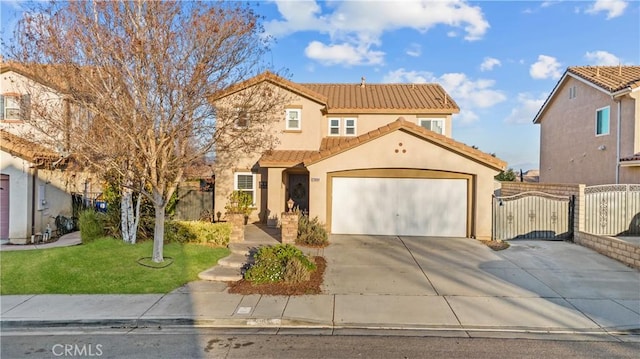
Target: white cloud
x=526 y=109
x=414 y=50
x=361 y=24
x=602 y=58
x=546 y=67
x=613 y=8
x=489 y=63
x=344 y=53
x=469 y=94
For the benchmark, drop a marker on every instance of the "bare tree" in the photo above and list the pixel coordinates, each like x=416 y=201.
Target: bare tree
x=141 y=76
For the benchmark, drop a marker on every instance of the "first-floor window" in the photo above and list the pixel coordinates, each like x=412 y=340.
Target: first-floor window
x=602 y=121
x=334 y=127
x=244 y=181
x=433 y=124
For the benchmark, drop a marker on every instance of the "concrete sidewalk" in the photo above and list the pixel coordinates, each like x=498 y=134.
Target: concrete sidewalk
x=444 y=287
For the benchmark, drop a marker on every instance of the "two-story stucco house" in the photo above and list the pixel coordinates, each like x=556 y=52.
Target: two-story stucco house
x=590 y=127
x=366 y=159
x=33 y=187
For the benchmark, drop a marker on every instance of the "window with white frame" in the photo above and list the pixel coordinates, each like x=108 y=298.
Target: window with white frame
x=350 y=126
x=572 y=92
x=293 y=119
x=14 y=107
x=245 y=182
x=602 y=121
x=433 y=124
x=334 y=126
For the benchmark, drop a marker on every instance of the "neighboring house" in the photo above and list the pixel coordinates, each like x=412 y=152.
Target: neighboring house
x=590 y=127
x=33 y=187
x=365 y=159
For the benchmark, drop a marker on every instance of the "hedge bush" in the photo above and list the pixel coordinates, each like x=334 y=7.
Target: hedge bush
x=278 y=263
x=311 y=232
x=200 y=232
x=91 y=225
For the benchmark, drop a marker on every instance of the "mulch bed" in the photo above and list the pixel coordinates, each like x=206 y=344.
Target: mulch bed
x=312 y=286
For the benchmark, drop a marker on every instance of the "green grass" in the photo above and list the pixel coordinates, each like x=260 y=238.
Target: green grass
x=105 y=266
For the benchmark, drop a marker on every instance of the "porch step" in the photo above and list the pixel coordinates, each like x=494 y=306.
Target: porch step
x=247 y=248
x=235 y=260
x=221 y=274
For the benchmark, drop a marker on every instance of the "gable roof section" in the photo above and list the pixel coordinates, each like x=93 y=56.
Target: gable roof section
x=410 y=127
x=385 y=98
x=274 y=79
x=332 y=146
x=608 y=79
x=27 y=150
x=361 y=98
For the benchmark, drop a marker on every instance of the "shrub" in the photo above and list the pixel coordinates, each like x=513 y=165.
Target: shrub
x=91 y=225
x=239 y=202
x=311 y=232
x=280 y=262
x=197 y=232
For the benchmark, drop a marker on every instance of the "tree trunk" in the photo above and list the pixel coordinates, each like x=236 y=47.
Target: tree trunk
x=128 y=221
x=158 y=233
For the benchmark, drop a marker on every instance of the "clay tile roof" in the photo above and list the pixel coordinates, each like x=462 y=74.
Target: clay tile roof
x=610 y=78
x=32 y=152
x=385 y=98
x=286 y=158
x=331 y=142
x=345 y=144
x=270 y=77
x=635 y=157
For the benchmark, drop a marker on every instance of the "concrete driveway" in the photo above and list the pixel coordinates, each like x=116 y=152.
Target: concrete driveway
x=534 y=283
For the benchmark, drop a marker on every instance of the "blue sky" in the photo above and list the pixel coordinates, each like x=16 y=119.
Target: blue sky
x=498 y=59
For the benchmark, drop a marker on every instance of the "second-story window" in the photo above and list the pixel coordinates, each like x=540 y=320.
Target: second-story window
x=433 y=124
x=242 y=118
x=293 y=119
x=350 y=126
x=14 y=107
x=602 y=121
x=334 y=127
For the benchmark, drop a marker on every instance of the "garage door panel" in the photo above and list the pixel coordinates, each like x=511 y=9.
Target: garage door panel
x=400 y=206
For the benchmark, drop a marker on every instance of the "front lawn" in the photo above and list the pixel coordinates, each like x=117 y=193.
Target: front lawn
x=104 y=266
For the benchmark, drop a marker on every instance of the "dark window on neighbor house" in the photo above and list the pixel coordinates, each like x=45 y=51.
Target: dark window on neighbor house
x=242 y=118
x=15 y=107
x=602 y=121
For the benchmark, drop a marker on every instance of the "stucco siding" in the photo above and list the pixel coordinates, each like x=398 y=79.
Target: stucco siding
x=401 y=150
x=570 y=151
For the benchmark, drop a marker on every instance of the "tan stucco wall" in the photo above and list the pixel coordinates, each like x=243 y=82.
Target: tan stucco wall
x=568 y=144
x=381 y=153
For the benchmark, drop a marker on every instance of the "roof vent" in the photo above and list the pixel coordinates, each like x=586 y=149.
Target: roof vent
x=362 y=81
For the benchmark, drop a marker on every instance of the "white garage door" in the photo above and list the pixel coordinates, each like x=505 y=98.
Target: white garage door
x=399 y=206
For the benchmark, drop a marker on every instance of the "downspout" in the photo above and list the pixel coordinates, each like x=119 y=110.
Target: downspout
x=618 y=141
x=33 y=200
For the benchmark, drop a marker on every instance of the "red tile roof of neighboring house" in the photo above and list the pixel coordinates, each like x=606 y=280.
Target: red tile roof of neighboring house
x=610 y=78
x=30 y=151
x=362 y=98
x=331 y=146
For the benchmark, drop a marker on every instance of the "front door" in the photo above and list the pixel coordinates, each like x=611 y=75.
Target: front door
x=299 y=191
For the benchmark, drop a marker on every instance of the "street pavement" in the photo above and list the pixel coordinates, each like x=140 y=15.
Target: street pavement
x=441 y=286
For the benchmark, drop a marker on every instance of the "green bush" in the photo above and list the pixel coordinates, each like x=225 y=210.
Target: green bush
x=91 y=225
x=311 y=232
x=216 y=234
x=277 y=263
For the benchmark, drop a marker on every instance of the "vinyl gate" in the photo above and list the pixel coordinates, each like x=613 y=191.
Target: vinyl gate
x=530 y=215
x=612 y=209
